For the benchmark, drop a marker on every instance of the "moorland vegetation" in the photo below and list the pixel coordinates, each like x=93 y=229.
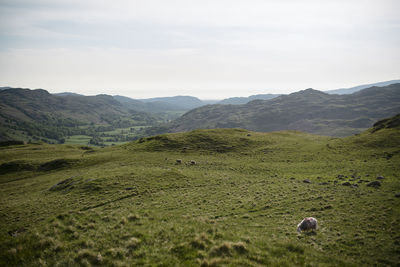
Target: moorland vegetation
x=234 y=197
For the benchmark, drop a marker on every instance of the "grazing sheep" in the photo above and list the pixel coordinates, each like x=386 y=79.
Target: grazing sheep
x=307 y=224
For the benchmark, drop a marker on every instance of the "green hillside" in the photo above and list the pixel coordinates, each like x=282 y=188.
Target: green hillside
x=38 y=115
x=309 y=111
x=234 y=197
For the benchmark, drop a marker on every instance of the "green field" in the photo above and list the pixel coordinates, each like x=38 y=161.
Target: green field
x=78 y=139
x=116 y=135
x=238 y=204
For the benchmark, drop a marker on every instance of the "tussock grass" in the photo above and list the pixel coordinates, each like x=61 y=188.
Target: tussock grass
x=238 y=205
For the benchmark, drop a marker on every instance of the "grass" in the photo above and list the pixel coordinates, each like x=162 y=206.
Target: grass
x=78 y=139
x=238 y=205
x=106 y=135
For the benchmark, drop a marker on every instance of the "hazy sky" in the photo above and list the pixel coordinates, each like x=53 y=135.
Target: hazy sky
x=206 y=48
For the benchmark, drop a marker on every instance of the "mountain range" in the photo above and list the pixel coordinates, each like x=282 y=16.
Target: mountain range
x=26 y=113
x=309 y=110
x=345 y=91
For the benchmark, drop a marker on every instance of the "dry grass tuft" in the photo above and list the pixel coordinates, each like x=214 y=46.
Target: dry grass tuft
x=133 y=217
x=12 y=251
x=222 y=250
x=210 y=262
x=86 y=255
x=239 y=247
x=123 y=221
x=133 y=243
x=116 y=253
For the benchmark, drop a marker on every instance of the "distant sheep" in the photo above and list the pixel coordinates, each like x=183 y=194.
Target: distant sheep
x=307 y=224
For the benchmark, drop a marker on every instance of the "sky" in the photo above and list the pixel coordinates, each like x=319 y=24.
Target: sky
x=211 y=49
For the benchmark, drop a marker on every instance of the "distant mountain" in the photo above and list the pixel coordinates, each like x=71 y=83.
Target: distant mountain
x=180 y=102
x=210 y=101
x=41 y=114
x=309 y=110
x=130 y=102
x=351 y=90
x=8 y=87
x=67 y=94
x=165 y=110
x=245 y=100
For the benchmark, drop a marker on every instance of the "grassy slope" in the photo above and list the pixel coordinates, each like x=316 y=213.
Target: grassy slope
x=33 y=114
x=238 y=205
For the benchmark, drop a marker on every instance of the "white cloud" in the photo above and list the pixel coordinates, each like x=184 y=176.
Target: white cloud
x=159 y=47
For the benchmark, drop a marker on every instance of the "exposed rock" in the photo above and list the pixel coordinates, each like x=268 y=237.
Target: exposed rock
x=397 y=195
x=63 y=185
x=307 y=181
x=323 y=183
x=380 y=178
x=374 y=184
x=346 y=184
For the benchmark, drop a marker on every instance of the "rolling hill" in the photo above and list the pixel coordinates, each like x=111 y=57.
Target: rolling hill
x=344 y=91
x=309 y=110
x=32 y=114
x=221 y=197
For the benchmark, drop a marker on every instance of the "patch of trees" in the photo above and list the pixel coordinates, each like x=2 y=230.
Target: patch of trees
x=97 y=141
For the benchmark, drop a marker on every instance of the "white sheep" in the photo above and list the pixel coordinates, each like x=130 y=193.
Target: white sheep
x=307 y=224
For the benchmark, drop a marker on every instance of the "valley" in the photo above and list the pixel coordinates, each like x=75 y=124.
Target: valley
x=101 y=120
x=199 y=133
